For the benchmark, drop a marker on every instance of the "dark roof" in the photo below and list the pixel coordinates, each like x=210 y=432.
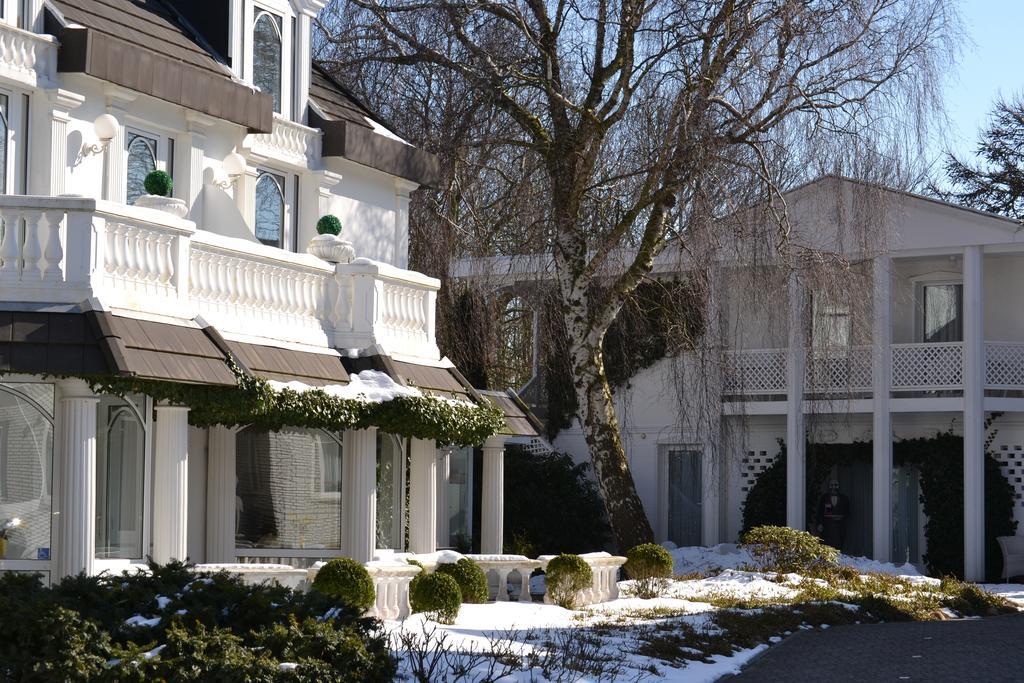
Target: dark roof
x=519 y=421
x=335 y=101
x=287 y=365
x=435 y=381
x=145 y=46
x=49 y=343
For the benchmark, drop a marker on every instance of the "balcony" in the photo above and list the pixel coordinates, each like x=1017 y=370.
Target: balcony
x=27 y=58
x=925 y=369
x=64 y=250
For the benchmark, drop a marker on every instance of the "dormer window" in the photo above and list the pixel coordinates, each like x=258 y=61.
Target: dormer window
x=267 y=54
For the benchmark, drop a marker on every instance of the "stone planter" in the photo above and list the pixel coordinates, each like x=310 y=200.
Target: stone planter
x=176 y=207
x=331 y=248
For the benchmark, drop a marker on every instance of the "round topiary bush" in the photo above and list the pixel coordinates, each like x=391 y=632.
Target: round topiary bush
x=565 y=576
x=348 y=581
x=470 y=577
x=436 y=595
x=328 y=225
x=649 y=565
x=158 y=183
x=781 y=549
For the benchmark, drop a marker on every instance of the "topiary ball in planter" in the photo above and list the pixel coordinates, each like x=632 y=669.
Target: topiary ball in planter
x=471 y=579
x=649 y=565
x=328 y=225
x=565 y=576
x=348 y=581
x=158 y=183
x=437 y=595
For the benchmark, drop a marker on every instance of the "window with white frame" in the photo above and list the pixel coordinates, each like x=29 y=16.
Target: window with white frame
x=268 y=53
x=942 y=315
x=121 y=477
x=270 y=208
x=832 y=324
x=145 y=153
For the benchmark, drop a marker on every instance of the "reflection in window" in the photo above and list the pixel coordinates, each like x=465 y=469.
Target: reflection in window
x=120 y=477
x=288 y=489
x=266 y=55
x=390 y=491
x=460 y=499
x=270 y=209
x=141 y=162
x=943 y=321
x=26 y=453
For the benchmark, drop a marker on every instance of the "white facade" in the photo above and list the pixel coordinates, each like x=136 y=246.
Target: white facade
x=106 y=482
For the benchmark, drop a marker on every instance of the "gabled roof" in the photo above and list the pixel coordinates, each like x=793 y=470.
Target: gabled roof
x=145 y=45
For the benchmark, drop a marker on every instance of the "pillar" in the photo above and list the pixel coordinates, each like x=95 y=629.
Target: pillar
x=303 y=73
x=57 y=179
x=974 y=414
x=170 y=484
x=492 y=506
x=115 y=188
x=192 y=162
x=711 y=462
x=402 y=190
x=221 y=506
x=422 y=496
x=796 y=441
x=881 y=381
x=76 y=444
x=359 y=518
x=441 y=472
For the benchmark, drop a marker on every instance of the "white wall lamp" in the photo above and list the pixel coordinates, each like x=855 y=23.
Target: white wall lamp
x=105 y=127
x=234 y=166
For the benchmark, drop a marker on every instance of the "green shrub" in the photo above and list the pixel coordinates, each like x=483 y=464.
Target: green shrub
x=158 y=183
x=328 y=225
x=436 y=595
x=348 y=581
x=565 y=576
x=649 y=565
x=470 y=577
x=781 y=549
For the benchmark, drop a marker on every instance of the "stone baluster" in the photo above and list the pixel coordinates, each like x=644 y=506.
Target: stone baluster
x=10 y=247
x=49 y=222
x=32 y=249
x=524 y=590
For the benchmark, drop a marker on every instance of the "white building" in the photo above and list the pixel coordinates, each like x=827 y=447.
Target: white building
x=94 y=94
x=933 y=340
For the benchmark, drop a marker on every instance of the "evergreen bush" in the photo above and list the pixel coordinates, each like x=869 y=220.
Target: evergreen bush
x=158 y=183
x=649 y=565
x=565 y=576
x=348 y=581
x=781 y=549
x=328 y=225
x=436 y=595
x=471 y=579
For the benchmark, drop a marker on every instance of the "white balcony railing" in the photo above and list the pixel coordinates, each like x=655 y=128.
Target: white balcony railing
x=755 y=372
x=64 y=250
x=839 y=370
x=27 y=58
x=930 y=366
x=1004 y=365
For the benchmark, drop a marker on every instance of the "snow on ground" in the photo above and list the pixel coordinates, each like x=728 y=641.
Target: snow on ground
x=1014 y=592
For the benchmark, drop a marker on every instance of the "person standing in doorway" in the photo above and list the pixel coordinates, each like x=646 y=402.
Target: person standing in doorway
x=833 y=509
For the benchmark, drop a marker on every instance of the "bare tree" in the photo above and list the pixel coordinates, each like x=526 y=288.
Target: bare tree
x=641 y=123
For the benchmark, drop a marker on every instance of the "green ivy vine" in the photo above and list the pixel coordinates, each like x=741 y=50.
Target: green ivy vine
x=254 y=402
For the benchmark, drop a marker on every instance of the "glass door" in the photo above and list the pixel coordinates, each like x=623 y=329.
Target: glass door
x=684 y=497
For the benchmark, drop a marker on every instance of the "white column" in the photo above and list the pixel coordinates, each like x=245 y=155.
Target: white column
x=359 y=518
x=245 y=196
x=402 y=190
x=189 y=183
x=711 y=462
x=796 y=467
x=492 y=503
x=422 y=496
x=170 y=484
x=974 y=414
x=63 y=101
x=444 y=456
x=221 y=512
x=303 y=72
x=76 y=455
x=881 y=372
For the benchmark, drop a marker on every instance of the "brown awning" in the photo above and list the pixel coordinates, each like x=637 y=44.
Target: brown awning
x=429 y=379
x=519 y=421
x=144 y=47
x=288 y=365
x=49 y=343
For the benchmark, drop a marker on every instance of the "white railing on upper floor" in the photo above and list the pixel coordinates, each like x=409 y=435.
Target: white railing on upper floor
x=755 y=372
x=64 y=250
x=927 y=366
x=288 y=142
x=1004 y=365
x=838 y=370
x=27 y=58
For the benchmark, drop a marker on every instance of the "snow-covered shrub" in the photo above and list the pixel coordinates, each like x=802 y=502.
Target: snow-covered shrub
x=437 y=595
x=565 y=576
x=348 y=581
x=781 y=549
x=649 y=565
x=470 y=577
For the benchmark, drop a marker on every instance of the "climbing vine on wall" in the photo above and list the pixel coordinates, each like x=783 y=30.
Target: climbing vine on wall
x=253 y=402
x=939 y=460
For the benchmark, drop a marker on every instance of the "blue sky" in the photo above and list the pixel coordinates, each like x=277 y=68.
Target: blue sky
x=992 y=63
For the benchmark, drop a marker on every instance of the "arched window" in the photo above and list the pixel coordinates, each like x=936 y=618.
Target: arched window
x=390 y=491
x=270 y=209
x=266 y=55
x=120 y=477
x=26 y=456
x=141 y=162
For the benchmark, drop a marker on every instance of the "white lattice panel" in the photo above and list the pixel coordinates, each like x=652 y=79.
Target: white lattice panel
x=927 y=366
x=1011 y=462
x=751 y=467
x=840 y=370
x=756 y=372
x=1004 y=365
x=538 y=446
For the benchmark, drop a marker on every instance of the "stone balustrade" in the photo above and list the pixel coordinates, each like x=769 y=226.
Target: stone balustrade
x=26 y=57
x=500 y=567
x=64 y=250
x=255 y=574
x=605 y=570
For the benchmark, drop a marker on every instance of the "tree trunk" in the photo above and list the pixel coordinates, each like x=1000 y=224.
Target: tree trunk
x=626 y=515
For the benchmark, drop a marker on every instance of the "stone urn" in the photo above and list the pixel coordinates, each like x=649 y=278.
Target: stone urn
x=331 y=248
x=172 y=205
